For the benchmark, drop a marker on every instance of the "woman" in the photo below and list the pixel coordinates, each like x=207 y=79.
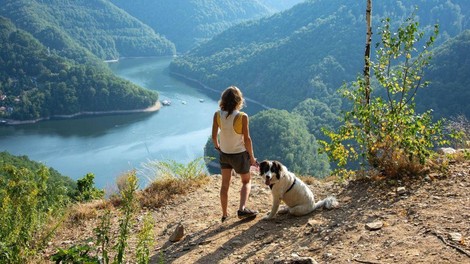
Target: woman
x=231 y=137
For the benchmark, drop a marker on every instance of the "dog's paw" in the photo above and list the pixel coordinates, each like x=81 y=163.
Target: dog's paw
x=267 y=217
x=283 y=210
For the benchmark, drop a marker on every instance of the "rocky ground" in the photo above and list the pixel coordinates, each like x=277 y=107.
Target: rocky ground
x=421 y=221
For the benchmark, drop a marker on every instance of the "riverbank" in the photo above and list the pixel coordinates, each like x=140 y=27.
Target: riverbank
x=152 y=108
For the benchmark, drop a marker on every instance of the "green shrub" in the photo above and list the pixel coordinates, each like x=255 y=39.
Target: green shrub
x=146 y=241
x=103 y=233
x=76 y=254
x=86 y=191
x=128 y=208
x=27 y=202
x=387 y=132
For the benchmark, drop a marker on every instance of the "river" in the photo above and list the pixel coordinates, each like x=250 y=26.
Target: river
x=110 y=145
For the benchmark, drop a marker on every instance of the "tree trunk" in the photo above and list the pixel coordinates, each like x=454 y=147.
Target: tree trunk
x=367 y=54
x=367 y=90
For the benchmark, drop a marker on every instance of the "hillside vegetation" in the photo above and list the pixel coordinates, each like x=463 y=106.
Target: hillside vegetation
x=96 y=25
x=189 y=23
x=308 y=51
x=37 y=83
x=448 y=93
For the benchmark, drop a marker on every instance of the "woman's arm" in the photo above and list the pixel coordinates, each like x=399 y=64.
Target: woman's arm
x=215 y=131
x=247 y=138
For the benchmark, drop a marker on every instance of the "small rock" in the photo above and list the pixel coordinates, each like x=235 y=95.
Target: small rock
x=446 y=151
x=456 y=237
x=313 y=222
x=178 y=234
x=401 y=190
x=237 y=242
x=376 y=225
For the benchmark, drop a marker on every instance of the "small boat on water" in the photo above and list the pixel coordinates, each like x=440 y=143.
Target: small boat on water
x=201 y=100
x=166 y=102
x=183 y=102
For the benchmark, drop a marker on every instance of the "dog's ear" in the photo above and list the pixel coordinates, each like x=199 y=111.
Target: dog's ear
x=263 y=166
x=277 y=167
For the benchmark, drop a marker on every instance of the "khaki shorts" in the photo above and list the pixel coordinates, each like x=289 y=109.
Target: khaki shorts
x=240 y=162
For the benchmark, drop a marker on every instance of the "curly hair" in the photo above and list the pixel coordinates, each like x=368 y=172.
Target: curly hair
x=231 y=100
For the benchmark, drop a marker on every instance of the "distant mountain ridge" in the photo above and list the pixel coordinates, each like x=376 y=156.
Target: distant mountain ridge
x=188 y=23
x=308 y=51
x=96 y=25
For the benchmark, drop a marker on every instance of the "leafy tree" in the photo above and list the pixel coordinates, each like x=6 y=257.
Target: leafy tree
x=388 y=132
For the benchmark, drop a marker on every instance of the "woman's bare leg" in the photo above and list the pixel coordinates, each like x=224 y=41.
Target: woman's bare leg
x=245 y=191
x=226 y=178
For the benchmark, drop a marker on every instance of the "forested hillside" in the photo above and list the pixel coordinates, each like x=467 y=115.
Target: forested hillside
x=449 y=91
x=188 y=23
x=61 y=184
x=308 y=51
x=96 y=25
x=36 y=83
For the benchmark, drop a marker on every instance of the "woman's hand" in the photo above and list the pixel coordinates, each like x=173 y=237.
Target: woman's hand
x=254 y=162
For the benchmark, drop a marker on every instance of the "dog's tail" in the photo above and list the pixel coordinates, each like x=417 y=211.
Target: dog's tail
x=329 y=202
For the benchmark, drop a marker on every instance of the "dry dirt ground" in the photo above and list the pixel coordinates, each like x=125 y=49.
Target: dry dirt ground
x=426 y=222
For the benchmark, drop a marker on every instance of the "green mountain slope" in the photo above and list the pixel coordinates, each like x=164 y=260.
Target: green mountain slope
x=449 y=74
x=36 y=83
x=96 y=25
x=307 y=51
x=187 y=23
x=58 y=182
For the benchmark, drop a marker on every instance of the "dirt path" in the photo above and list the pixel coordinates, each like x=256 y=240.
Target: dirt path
x=416 y=225
x=427 y=221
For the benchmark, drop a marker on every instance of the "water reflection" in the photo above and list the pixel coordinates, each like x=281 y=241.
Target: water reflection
x=83 y=126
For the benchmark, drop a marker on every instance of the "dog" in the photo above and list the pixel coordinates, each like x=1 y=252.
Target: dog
x=287 y=187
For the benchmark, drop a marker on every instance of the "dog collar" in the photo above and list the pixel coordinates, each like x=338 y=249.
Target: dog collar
x=295 y=179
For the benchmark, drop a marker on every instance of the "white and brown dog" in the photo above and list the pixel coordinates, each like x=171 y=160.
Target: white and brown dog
x=287 y=187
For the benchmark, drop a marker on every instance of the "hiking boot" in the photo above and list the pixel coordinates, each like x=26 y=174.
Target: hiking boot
x=245 y=213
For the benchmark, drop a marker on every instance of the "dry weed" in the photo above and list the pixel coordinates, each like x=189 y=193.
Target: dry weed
x=160 y=191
